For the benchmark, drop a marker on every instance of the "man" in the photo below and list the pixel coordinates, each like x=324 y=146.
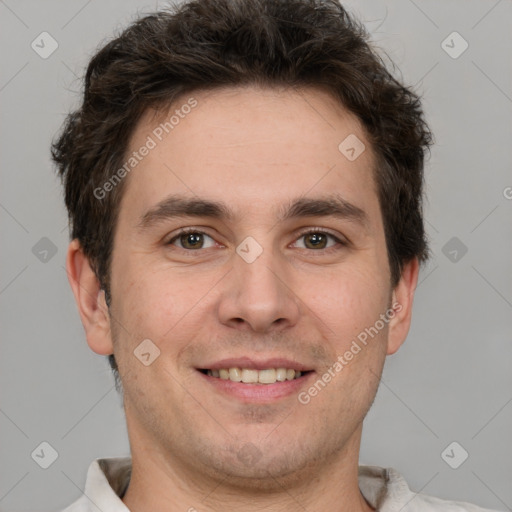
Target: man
x=244 y=185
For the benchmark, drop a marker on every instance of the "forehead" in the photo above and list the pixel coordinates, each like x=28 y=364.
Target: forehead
x=251 y=147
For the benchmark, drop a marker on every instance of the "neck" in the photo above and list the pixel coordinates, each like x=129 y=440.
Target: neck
x=160 y=481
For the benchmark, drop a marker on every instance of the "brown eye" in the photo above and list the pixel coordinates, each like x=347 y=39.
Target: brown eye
x=319 y=240
x=316 y=240
x=191 y=240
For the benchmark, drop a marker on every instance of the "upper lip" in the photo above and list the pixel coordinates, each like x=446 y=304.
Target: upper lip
x=256 y=364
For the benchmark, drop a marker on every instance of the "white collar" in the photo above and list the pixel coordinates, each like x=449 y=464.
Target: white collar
x=383 y=488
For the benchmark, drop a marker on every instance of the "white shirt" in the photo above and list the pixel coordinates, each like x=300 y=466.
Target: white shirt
x=383 y=488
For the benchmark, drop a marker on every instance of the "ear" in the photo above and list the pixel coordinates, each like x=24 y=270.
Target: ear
x=90 y=300
x=402 y=300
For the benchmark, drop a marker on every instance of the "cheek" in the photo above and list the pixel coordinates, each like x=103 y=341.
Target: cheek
x=162 y=304
x=348 y=299
x=151 y=307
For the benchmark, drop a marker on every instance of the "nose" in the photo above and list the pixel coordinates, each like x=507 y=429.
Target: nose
x=259 y=295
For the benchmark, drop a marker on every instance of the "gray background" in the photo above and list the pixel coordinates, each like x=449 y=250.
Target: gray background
x=451 y=381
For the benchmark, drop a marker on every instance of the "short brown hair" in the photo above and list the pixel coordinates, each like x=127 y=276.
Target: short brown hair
x=206 y=44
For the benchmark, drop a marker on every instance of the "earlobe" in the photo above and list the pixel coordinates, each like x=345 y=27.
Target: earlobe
x=402 y=301
x=90 y=300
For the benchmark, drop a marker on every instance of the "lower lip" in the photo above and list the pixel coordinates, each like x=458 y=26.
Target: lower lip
x=262 y=393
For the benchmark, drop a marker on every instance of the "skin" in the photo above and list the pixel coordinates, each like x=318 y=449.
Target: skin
x=191 y=445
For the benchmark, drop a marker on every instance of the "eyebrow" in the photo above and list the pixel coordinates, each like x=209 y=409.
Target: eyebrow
x=176 y=206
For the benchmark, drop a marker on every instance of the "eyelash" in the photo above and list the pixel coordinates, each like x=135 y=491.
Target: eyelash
x=186 y=231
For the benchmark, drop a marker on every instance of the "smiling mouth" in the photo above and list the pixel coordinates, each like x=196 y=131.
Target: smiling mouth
x=252 y=376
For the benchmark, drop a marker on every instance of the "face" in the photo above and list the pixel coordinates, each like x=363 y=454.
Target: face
x=283 y=267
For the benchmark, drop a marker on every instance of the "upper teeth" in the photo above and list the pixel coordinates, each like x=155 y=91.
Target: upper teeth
x=251 y=376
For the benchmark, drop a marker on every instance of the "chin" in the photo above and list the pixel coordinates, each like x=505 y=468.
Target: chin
x=269 y=469
x=265 y=475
